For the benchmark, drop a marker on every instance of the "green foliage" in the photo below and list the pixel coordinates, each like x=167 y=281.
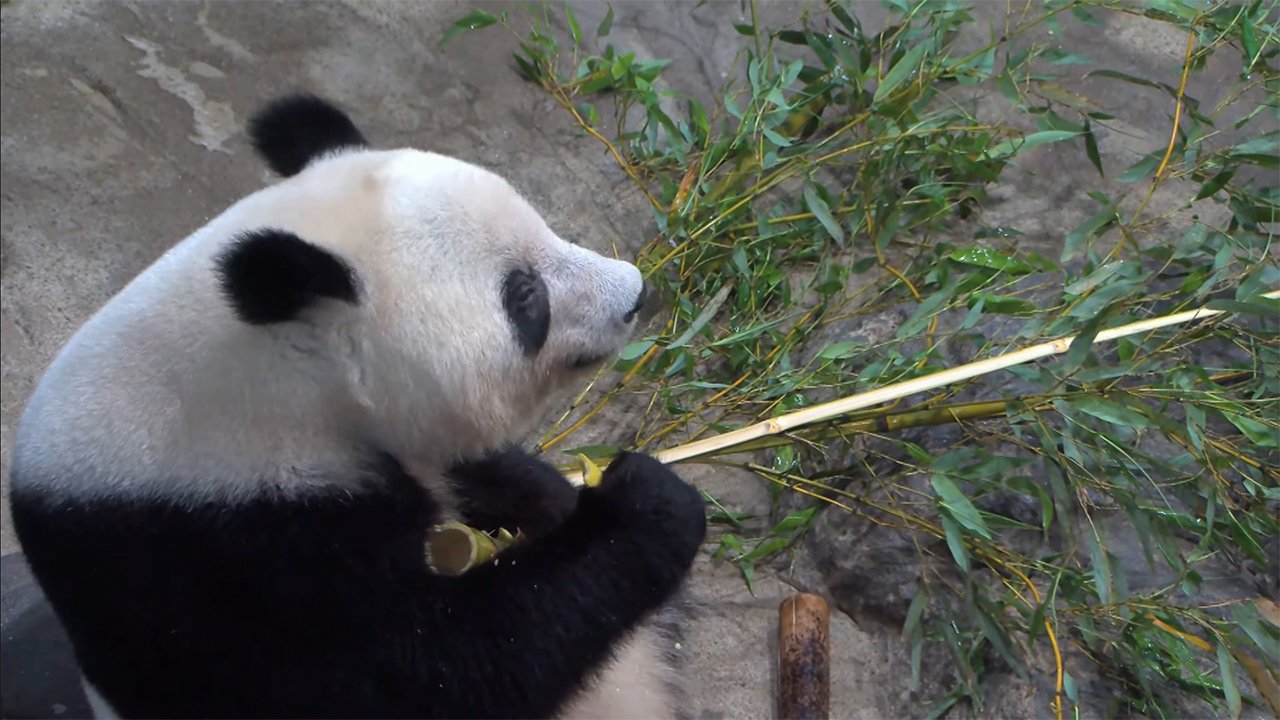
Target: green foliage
x=778 y=538
x=843 y=174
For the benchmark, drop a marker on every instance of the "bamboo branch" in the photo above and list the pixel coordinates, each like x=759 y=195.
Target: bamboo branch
x=845 y=405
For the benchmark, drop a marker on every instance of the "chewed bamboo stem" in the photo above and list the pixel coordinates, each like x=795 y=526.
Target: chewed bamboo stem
x=846 y=405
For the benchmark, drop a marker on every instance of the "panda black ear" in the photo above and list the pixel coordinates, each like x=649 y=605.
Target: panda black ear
x=292 y=131
x=270 y=276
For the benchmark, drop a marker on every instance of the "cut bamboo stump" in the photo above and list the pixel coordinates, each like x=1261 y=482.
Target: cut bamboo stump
x=804 y=664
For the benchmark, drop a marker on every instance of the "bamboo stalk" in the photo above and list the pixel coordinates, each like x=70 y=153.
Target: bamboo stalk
x=894 y=422
x=845 y=405
x=804 y=658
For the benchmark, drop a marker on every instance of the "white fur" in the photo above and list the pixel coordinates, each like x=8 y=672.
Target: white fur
x=98 y=705
x=426 y=367
x=641 y=682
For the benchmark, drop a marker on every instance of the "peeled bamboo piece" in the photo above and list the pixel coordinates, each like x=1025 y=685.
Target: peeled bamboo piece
x=454 y=548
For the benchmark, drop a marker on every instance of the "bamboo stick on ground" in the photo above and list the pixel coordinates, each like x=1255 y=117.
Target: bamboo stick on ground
x=843 y=406
x=804 y=663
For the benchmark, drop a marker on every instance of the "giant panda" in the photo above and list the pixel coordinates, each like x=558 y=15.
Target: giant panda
x=224 y=481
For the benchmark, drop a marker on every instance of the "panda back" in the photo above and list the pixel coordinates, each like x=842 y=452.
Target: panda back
x=165 y=392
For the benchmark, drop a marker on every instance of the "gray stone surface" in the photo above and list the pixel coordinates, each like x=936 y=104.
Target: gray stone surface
x=38 y=673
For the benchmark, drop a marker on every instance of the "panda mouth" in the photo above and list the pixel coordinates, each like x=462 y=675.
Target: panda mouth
x=585 y=361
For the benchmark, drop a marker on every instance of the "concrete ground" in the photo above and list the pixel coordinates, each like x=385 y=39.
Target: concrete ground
x=122 y=132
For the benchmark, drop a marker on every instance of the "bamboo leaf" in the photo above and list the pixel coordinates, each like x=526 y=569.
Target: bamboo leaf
x=991 y=258
x=1134 y=79
x=955 y=542
x=1078 y=350
x=606 y=24
x=1009 y=147
x=595 y=452
x=747 y=333
x=1005 y=305
x=1112 y=412
x=911 y=625
x=473 y=20
x=574 y=30
x=999 y=639
x=766 y=548
x=1263 y=151
x=1089 y=228
x=1216 y=183
x=794 y=521
x=1094 y=279
x=841 y=350
x=748 y=570
x=1258 y=433
x=1141 y=169
x=820 y=210
x=925 y=310
x=1249 y=43
x=1091 y=148
x=1100 y=569
x=635 y=350
x=1228 y=672
x=703 y=318
x=959 y=506
x=908 y=65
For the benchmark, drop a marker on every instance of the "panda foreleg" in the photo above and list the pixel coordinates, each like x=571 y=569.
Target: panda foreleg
x=511 y=489
x=543 y=616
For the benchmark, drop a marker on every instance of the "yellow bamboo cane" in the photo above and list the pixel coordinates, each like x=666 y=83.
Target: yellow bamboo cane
x=845 y=405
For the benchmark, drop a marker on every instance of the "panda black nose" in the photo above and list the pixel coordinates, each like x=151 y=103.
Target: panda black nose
x=635 y=309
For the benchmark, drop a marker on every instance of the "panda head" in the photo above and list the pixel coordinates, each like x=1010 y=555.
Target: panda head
x=449 y=307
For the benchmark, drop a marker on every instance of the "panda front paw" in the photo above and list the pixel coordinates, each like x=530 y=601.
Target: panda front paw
x=639 y=493
x=511 y=489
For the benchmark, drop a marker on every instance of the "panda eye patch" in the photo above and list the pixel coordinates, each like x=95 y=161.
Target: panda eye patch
x=524 y=296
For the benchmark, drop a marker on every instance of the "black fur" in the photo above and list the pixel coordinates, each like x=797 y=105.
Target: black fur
x=524 y=295
x=269 y=276
x=541 y=500
x=322 y=605
x=291 y=132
